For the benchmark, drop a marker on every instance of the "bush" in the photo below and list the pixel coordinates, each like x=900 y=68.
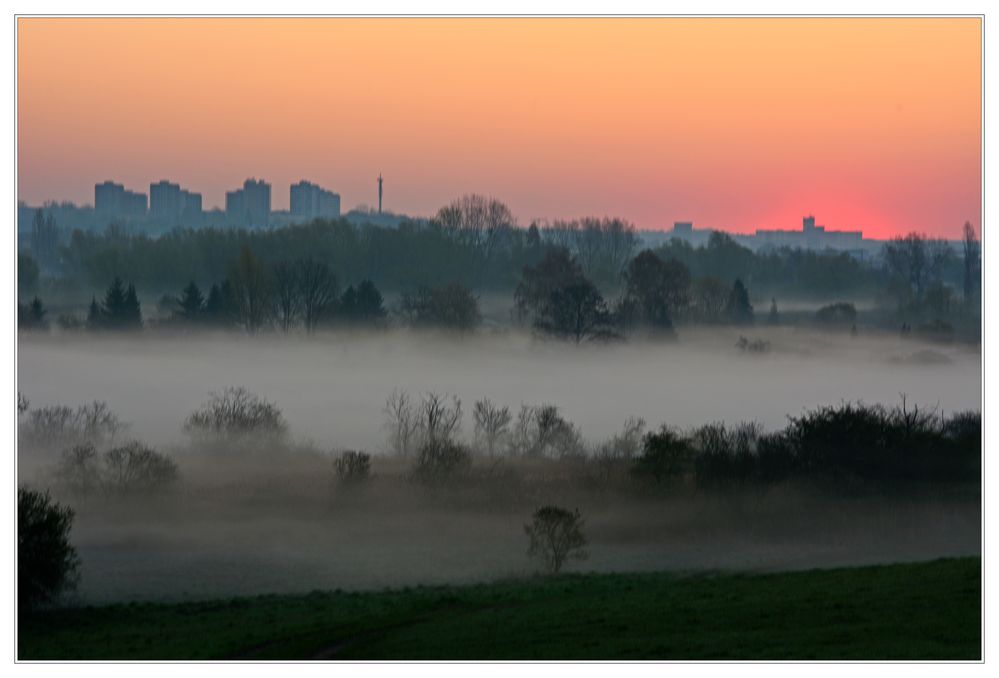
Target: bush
x=840 y=315
x=441 y=460
x=47 y=564
x=352 y=467
x=134 y=466
x=665 y=454
x=725 y=454
x=235 y=415
x=555 y=535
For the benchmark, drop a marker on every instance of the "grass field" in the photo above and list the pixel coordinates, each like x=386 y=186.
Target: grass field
x=913 y=611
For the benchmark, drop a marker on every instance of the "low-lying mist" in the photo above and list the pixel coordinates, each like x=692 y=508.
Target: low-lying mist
x=247 y=522
x=332 y=388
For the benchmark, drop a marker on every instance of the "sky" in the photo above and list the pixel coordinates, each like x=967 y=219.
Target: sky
x=735 y=124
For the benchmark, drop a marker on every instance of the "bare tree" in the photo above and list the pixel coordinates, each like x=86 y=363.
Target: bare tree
x=556 y=535
x=287 y=295
x=236 y=414
x=491 y=424
x=439 y=419
x=542 y=431
x=318 y=291
x=251 y=288
x=134 y=466
x=401 y=422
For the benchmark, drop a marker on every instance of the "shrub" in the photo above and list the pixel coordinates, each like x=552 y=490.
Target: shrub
x=725 y=454
x=440 y=460
x=352 y=467
x=235 y=414
x=842 y=314
x=753 y=346
x=665 y=454
x=555 y=535
x=47 y=563
x=134 y=466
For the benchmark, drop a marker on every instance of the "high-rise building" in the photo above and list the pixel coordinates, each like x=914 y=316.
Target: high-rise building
x=310 y=201
x=171 y=204
x=249 y=206
x=113 y=200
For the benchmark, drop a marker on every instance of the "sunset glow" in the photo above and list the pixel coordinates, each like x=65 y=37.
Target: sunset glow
x=739 y=124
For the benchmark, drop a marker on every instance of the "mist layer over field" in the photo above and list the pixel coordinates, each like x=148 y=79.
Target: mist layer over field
x=260 y=522
x=332 y=388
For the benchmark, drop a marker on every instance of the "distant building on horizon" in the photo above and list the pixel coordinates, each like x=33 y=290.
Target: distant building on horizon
x=113 y=200
x=811 y=237
x=310 y=201
x=171 y=204
x=249 y=206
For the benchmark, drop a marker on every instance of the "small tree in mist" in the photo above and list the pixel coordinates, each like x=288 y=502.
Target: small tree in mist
x=492 y=424
x=401 y=422
x=234 y=414
x=136 y=467
x=352 y=467
x=47 y=564
x=438 y=417
x=22 y=404
x=556 y=535
x=79 y=469
x=665 y=454
x=542 y=431
x=59 y=426
x=441 y=460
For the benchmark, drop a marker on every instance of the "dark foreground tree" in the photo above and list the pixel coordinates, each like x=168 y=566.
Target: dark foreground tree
x=450 y=307
x=559 y=300
x=738 y=309
x=556 y=535
x=656 y=291
x=47 y=563
x=191 y=304
x=362 y=305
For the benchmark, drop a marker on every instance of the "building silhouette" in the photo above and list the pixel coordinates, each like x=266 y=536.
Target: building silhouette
x=811 y=237
x=309 y=201
x=379 y=192
x=113 y=200
x=171 y=204
x=249 y=206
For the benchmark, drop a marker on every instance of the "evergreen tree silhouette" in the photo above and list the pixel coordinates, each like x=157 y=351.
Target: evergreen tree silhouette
x=192 y=303
x=95 y=320
x=738 y=308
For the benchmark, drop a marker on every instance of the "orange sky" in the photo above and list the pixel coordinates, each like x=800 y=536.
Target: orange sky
x=731 y=123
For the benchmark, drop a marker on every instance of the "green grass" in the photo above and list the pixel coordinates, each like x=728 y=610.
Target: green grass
x=913 y=611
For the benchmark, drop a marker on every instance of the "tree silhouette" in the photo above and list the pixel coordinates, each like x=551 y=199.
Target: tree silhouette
x=192 y=303
x=251 y=290
x=738 y=309
x=362 y=305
